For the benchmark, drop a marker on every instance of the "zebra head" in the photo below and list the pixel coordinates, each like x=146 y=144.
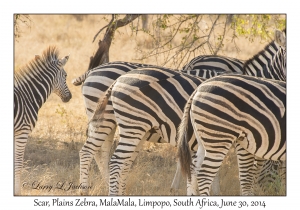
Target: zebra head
x=279 y=61
x=60 y=85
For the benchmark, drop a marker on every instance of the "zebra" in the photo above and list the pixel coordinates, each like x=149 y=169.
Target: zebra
x=109 y=130
x=276 y=67
x=94 y=83
x=267 y=65
x=33 y=84
x=147 y=104
x=227 y=109
x=259 y=65
x=97 y=80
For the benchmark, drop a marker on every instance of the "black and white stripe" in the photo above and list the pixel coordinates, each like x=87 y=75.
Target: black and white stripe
x=148 y=105
x=90 y=147
x=32 y=86
x=273 y=66
x=228 y=109
x=264 y=65
x=216 y=63
x=95 y=82
x=268 y=63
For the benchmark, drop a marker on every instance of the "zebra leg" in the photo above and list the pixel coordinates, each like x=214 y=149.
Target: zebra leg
x=126 y=169
x=103 y=156
x=208 y=168
x=282 y=171
x=258 y=174
x=192 y=186
x=121 y=161
x=246 y=169
x=20 y=143
x=269 y=171
x=198 y=160
x=92 y=145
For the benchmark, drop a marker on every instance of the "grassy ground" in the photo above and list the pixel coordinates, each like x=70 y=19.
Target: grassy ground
x=51 y=155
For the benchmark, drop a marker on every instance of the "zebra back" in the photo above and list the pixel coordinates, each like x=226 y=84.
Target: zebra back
x=177 y=86
x=214 y=63
x=118 y=65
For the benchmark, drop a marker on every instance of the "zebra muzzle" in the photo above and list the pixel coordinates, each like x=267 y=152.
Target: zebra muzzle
x=67 y=98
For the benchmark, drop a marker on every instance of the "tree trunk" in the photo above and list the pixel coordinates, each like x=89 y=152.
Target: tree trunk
x=102 y=54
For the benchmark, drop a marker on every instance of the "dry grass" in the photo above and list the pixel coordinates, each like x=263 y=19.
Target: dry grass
x=51 y=155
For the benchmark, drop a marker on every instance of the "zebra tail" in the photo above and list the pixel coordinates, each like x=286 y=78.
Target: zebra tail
x=79 y=80
x=98 y=115
x=184 y=153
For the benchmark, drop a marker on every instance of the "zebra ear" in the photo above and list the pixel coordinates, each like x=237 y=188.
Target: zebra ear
x=65 y=59
x=280 y=38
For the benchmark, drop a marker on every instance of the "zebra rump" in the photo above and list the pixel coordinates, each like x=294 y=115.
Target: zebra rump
x=234 y=108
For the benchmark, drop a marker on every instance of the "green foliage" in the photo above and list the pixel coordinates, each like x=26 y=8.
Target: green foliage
x=61 y=111
x=262 y=26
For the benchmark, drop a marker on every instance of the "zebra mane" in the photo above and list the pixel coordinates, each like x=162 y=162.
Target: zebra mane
x=249 y=61
x=48 y=55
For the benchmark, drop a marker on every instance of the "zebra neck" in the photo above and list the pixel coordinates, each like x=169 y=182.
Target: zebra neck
x=36 y=88
x=278 y=65
x=260 y=65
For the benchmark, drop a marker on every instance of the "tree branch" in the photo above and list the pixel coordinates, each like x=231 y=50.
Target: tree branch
x=108 y=25
x=220 y=45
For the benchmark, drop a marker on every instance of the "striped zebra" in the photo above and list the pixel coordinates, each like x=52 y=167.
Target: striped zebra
x=227 y=109
x=259 y=65
x=33 y=84
x=94 y=84
x=265 y=64
x=127 y=81
x=148 y=105
x=219 y=63
x=276 y=67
